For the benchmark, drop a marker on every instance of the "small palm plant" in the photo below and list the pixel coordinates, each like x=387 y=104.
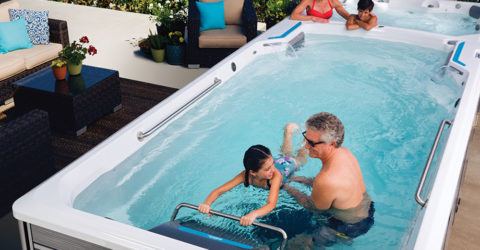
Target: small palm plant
x=157 y=46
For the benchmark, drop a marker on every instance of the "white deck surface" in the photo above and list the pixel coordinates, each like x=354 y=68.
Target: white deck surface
x=109 y=31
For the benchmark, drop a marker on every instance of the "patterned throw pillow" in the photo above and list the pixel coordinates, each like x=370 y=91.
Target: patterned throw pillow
x=37 y=24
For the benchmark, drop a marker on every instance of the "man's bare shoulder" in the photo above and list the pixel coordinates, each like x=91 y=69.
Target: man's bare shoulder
x=324 y=181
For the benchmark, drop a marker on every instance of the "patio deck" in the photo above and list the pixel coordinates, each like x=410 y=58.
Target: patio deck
x=110 y=32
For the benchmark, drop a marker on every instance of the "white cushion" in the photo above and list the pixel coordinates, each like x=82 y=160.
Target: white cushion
x=4 y=16
x=10 y=65
x=38 y=54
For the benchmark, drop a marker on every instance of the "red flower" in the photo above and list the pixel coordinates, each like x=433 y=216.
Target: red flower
x=92 y=50
x=84 y=39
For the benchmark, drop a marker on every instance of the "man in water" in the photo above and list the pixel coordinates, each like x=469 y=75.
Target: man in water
x=338 y=189
x=365 y=19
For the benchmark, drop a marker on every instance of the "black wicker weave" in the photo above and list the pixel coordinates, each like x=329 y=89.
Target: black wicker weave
x=208 y=57
x=72 y=112
x=26 y=157
x=58 y=34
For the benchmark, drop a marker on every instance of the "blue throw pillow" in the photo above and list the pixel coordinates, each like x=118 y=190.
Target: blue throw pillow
x=212 y=15
x=37 y=24
x=13 y=36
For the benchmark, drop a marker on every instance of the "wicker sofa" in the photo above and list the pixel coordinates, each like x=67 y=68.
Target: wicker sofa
x=20 y=63
x=207 y=48
x=26 y=157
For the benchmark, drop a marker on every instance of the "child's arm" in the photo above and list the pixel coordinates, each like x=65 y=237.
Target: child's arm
x=205 y=206
x=372 y=23
x=249 y=218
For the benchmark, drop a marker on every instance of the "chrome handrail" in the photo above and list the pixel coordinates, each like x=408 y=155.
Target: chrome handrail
x=232 y=217
x=142 y=135
x=419 y=199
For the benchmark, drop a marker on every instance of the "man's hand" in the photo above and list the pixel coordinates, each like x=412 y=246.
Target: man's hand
x=248 y=219
x=204 y=208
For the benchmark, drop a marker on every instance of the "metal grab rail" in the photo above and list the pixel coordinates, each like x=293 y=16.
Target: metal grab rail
x=141 y=135
x=419 y=199
x=232 y=217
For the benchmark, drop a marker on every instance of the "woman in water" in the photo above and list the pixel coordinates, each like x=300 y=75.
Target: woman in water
x=262 y=171
x=318 y=10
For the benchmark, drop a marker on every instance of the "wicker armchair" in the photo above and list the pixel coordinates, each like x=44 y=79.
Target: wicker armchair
x=196 y=55
x=58 y=34
x=26 y=157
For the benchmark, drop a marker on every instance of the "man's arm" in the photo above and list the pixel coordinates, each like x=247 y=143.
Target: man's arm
x=323 y=193
x=302 y=179
x=302 y=199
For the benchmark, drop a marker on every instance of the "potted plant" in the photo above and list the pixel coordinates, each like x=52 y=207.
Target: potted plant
x=157 y=46
x=175 y=49
x=75 y=53
x=59 y=68
x=170 y=15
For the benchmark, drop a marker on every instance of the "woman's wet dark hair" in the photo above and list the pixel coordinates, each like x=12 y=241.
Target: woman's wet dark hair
x=253 y=159
x=365 y=5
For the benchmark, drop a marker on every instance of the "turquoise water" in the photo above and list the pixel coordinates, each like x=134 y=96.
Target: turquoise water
x=443 y=23
x=382 y=91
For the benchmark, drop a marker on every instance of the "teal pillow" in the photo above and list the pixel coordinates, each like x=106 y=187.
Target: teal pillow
x=212 y=15
x=13 y=36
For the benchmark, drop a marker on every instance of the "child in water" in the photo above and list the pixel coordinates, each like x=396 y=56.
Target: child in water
x=365 y=19
x=262 y=171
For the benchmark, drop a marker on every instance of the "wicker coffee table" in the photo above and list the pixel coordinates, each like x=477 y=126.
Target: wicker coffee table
x=74 y=103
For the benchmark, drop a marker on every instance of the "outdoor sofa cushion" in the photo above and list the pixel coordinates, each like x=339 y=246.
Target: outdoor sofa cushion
x=211 y=15
x=38 y=54
x=4 y=7
x=230 y=37
x=10 y=65
x=233 y=11
x=37 y=24
x=13 y=36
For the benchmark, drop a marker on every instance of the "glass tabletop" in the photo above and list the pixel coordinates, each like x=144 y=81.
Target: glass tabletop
x=73 y=85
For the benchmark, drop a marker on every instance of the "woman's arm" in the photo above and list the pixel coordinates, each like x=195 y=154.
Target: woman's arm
x=340 y=9
x=205 y=206
x=351 y=24
x=249 y=218
x=297 y=12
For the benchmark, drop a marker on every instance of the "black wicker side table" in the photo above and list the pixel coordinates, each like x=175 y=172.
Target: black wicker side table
x=74 y=103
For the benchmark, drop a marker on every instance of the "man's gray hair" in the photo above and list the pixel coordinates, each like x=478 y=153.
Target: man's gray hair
x=328 y=124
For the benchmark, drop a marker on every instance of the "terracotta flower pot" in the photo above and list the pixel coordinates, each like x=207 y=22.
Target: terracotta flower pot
x=60 y=73
x=74 y=69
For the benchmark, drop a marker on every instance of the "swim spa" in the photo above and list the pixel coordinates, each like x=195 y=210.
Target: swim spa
x=66 y=205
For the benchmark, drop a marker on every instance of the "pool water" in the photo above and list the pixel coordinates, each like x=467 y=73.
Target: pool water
x=442 y=23
x=390 y=96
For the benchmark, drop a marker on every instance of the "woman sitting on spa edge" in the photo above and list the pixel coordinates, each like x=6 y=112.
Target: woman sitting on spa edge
x=318 y=10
